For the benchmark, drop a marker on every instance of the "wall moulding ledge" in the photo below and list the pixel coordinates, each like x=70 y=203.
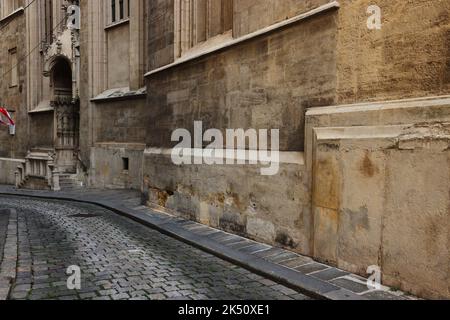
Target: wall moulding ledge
x=12 y=15
x=422 y=102
x=116 y=24
x=232 y=42
x=12 y=160
x=285 y=157
x=118 y=145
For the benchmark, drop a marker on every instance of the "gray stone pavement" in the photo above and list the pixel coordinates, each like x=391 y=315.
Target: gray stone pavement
x=293 y=270
x=4 y=218
x=119 y=259
x=8 y=262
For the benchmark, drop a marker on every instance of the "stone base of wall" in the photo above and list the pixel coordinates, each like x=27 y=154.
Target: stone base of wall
x=381 y=190
x=108 y=166
x=235 y=198
x=8 y=167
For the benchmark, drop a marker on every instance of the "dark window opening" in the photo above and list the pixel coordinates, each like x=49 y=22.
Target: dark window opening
x=48 y=21
x=113 y=10
x=121 y=10
x=126 y=164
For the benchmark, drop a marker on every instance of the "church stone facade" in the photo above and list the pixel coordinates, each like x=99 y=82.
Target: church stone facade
x=363 y=114
x=40 y=88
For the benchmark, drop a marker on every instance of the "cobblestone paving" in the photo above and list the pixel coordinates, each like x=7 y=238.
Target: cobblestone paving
x=119 y=259
x=4 y=217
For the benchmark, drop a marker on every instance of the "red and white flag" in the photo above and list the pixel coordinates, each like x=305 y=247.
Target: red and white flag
x=5 y=118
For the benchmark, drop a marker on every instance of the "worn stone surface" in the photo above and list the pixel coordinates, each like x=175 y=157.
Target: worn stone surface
x=13 y=98
x=253 y=15
x=361 y=177
x=388 y=206
x=120 y=129
x=8 y=168
x=283 y=266
x=116 y=59
x=120 y=121
x=119 y=259
x=116 y=165
x=237 y=199
x=415 y=252
x=8 y=261
x=377 y=65
x=118 y=47
x=262 y=84
x=4 y=219
x=161 y=36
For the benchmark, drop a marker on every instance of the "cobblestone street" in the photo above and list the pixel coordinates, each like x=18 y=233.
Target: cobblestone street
x=119 y=259
x=3 y=228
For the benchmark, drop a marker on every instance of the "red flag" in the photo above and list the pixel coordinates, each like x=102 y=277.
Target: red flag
x=8 y=117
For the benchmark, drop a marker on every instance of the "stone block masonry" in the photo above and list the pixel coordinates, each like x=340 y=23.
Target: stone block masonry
x=380 y=190
x=265 y=83
x=345 y=202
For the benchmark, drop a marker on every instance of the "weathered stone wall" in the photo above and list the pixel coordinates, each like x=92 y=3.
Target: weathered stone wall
x=262 y=84
x=107 y=165
x=380 y=171
x=42 y=127
x=118 y=46
x=408 y=57
x=12 y=36
x=381 y=181
x=124 y=121
x=86 y=86
x=265 y=83
x=119 y=132
x=238 y=199
x=112 y=56
x=376 y=175
x=253 y=15
x=161 y=50
x=8 y=167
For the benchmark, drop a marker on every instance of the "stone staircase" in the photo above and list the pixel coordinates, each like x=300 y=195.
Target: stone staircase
x=38 y=172
x=34 y=183
x=70 y=182
x=66 y=182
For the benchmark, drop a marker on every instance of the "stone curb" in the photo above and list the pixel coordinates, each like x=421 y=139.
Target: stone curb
x=9 y=262
x=256 y=257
